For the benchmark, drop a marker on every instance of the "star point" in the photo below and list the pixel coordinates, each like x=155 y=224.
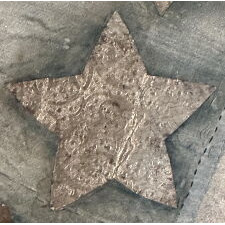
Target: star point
x=112 y=120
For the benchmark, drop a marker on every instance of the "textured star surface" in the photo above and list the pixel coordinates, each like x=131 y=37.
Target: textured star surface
x=162 y=6
x=112 y=120
x=5 y=216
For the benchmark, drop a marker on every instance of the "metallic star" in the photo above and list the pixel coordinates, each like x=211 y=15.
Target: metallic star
x=112 y=120
x=5 y=216
x=162 y=6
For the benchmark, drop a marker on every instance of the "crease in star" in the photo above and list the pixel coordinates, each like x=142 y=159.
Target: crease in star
x=112 y=120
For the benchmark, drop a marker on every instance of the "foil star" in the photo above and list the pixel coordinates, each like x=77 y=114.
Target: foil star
x=112 y=120
x=162 y=6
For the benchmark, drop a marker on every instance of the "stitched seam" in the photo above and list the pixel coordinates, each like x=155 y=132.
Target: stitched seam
x=199 y=161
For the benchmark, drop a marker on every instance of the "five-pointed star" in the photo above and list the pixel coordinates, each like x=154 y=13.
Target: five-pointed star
x=112 y=120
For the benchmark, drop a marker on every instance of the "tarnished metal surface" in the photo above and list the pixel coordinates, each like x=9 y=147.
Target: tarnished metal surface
x=112 y=120
x=162 y=6
x=5 y=216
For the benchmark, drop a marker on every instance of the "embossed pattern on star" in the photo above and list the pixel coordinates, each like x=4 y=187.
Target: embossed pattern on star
x=112 y=120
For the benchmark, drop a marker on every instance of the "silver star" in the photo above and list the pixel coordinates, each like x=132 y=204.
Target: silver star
x=162 y=6
x=112 y=120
